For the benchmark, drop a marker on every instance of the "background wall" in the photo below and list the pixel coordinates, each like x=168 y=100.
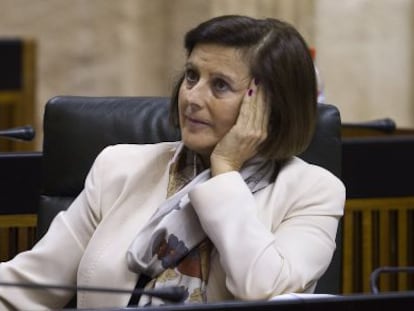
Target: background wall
x=134 y=47
x=365 y=54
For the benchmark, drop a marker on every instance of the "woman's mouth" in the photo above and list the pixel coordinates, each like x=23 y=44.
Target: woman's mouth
x=196 y=123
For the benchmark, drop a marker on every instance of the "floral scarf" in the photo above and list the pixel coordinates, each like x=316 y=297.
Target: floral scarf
x=172 y=248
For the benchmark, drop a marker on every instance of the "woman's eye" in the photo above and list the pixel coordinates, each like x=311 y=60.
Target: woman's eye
x=191 y=76
x=221 y=85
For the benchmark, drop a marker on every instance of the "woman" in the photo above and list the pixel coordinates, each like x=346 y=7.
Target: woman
x=228 y=212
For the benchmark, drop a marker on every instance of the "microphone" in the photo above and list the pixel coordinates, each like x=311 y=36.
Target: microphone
x=22 y=133
x=374 y=276
x=172 y=294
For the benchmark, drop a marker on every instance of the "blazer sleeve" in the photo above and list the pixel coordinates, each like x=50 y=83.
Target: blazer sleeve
x=55 y=258
x=262 y=262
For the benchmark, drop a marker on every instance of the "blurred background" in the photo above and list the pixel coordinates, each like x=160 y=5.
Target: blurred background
x=363 y=48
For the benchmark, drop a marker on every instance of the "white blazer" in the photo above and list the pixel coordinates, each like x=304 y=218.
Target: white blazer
x=279 y=240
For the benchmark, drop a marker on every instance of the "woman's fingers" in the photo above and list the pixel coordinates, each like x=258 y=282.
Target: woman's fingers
x=253 y=116
x=241 y=143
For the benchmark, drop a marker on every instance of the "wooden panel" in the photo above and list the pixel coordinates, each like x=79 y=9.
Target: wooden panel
x=403 y=251
x=17 y=103
x=367 y=248
x=9 y=97
x=378 y=232
x=384 y=249
x=348 y=252
x=17 y=234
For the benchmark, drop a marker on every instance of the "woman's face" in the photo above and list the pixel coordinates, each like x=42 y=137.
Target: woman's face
x=216 y=79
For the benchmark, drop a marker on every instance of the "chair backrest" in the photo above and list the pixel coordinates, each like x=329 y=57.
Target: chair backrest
x=77 y=128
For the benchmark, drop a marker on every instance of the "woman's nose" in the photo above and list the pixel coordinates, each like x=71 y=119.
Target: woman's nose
x=197 y=94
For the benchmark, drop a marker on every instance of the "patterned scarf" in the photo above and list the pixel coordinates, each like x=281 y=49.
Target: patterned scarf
x=172 y=249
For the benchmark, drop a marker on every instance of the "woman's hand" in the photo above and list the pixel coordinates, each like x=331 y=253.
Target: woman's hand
x=242 y=141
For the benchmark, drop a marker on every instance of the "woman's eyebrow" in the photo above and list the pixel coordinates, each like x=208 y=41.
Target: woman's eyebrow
x=215 y=74
x=224 y=77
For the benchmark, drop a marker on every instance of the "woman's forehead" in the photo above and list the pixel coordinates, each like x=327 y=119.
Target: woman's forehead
x=221 y=59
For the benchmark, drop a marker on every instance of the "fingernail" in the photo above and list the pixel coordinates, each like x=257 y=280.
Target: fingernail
x=250 y=92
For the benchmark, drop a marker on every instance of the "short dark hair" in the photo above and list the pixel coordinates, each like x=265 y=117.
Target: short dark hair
x=280 y=60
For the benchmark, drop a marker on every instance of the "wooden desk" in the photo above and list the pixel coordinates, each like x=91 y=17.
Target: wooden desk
x=378 y=172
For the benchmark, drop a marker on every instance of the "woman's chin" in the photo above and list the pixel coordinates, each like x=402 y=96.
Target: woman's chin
x=198 y=146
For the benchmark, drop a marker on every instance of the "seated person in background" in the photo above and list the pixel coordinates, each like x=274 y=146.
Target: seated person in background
x=229 y=212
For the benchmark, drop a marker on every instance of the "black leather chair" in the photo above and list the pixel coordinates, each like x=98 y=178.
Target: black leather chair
x=76 y=129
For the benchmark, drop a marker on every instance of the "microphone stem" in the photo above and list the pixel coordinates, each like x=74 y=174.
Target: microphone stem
x=173 y=294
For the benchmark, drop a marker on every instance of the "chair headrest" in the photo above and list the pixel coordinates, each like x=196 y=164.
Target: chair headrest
x=77 y=128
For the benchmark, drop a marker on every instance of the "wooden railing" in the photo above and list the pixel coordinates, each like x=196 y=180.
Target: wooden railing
x=17 y=233
x=378 y=232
